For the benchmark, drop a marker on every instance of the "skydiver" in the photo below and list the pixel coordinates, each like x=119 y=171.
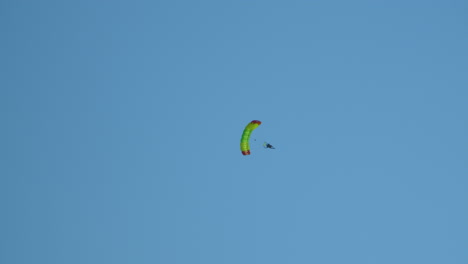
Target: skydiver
x=268 y=145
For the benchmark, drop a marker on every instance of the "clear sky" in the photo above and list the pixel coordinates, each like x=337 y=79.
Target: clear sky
x=121 y=123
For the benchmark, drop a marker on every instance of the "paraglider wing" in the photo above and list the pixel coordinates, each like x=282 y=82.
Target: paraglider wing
x=244 y=143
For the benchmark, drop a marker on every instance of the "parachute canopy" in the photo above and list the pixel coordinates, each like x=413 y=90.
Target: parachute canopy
x=244 y=143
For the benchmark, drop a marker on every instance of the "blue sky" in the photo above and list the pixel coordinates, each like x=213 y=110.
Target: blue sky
x=121 y=123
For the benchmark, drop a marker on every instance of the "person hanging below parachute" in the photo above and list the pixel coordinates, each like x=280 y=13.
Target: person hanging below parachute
x=268 y=145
